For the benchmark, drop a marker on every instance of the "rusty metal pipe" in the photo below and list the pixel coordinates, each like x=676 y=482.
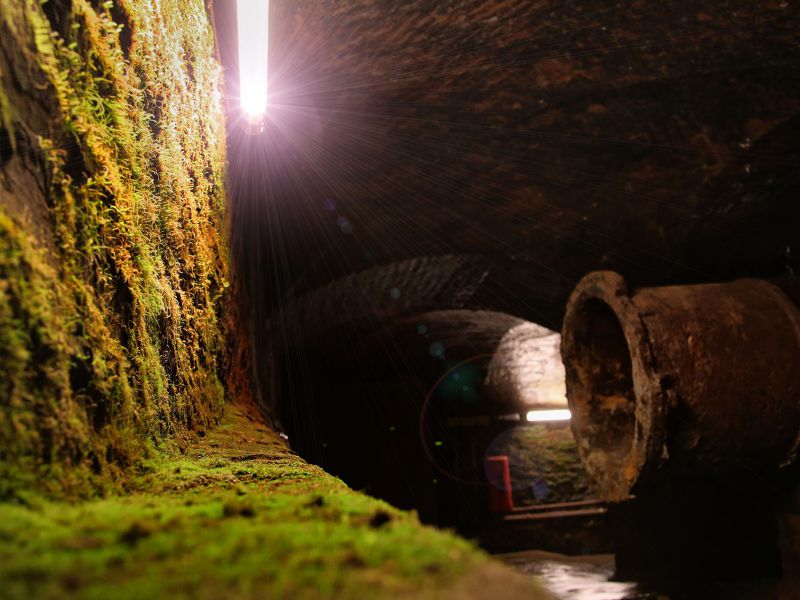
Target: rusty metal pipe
x=702 y=376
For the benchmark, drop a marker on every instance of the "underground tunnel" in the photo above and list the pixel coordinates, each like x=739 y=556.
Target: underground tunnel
x=436 y=299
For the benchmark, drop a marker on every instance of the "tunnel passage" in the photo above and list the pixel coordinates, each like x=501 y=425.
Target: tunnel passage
x=407 y=406
x=525 y=136
x=567 y=138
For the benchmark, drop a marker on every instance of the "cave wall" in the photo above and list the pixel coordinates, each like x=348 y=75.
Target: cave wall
x=113 y=261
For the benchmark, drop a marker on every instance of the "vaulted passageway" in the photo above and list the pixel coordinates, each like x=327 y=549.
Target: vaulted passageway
x=410 y=411
x=528 y=268
x=433 y=181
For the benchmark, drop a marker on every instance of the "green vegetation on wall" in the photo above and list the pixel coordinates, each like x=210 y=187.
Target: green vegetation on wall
x=544 y=464
x=112 y=331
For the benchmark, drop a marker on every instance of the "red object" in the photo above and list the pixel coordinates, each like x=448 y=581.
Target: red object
x=499 y=476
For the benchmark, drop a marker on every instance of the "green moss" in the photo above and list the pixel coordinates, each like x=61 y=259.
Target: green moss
x=110 y=327
x=236 y=516
x=544 y=464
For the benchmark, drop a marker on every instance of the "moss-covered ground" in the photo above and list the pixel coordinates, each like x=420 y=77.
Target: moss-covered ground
x=236 y=515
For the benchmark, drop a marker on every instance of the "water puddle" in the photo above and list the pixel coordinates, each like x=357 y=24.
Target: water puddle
x=577 y=577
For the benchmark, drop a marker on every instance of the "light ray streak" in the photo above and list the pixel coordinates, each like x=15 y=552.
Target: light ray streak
x=252 y=18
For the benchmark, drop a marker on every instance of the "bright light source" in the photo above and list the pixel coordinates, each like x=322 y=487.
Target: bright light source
x=253 y=26
x=539 y=416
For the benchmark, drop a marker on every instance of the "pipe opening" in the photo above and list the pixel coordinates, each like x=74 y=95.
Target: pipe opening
x=604 y=410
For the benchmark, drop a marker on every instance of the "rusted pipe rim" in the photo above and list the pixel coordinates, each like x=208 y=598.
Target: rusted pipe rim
x=614 y=392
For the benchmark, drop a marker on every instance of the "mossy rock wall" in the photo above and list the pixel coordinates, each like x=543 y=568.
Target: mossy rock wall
x=112 y=260
x=544 y=464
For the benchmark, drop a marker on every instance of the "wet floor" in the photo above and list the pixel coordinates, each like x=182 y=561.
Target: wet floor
x=589 y=578
x=577 y=577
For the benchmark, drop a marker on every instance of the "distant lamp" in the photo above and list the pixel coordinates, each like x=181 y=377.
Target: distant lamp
x=253 y=30
x=542 y=416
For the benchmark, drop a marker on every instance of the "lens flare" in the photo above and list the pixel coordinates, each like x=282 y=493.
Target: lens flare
x=539 y=416
x=253 y=27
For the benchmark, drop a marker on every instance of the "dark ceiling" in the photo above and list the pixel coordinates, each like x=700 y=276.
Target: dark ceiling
x=658 y=139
